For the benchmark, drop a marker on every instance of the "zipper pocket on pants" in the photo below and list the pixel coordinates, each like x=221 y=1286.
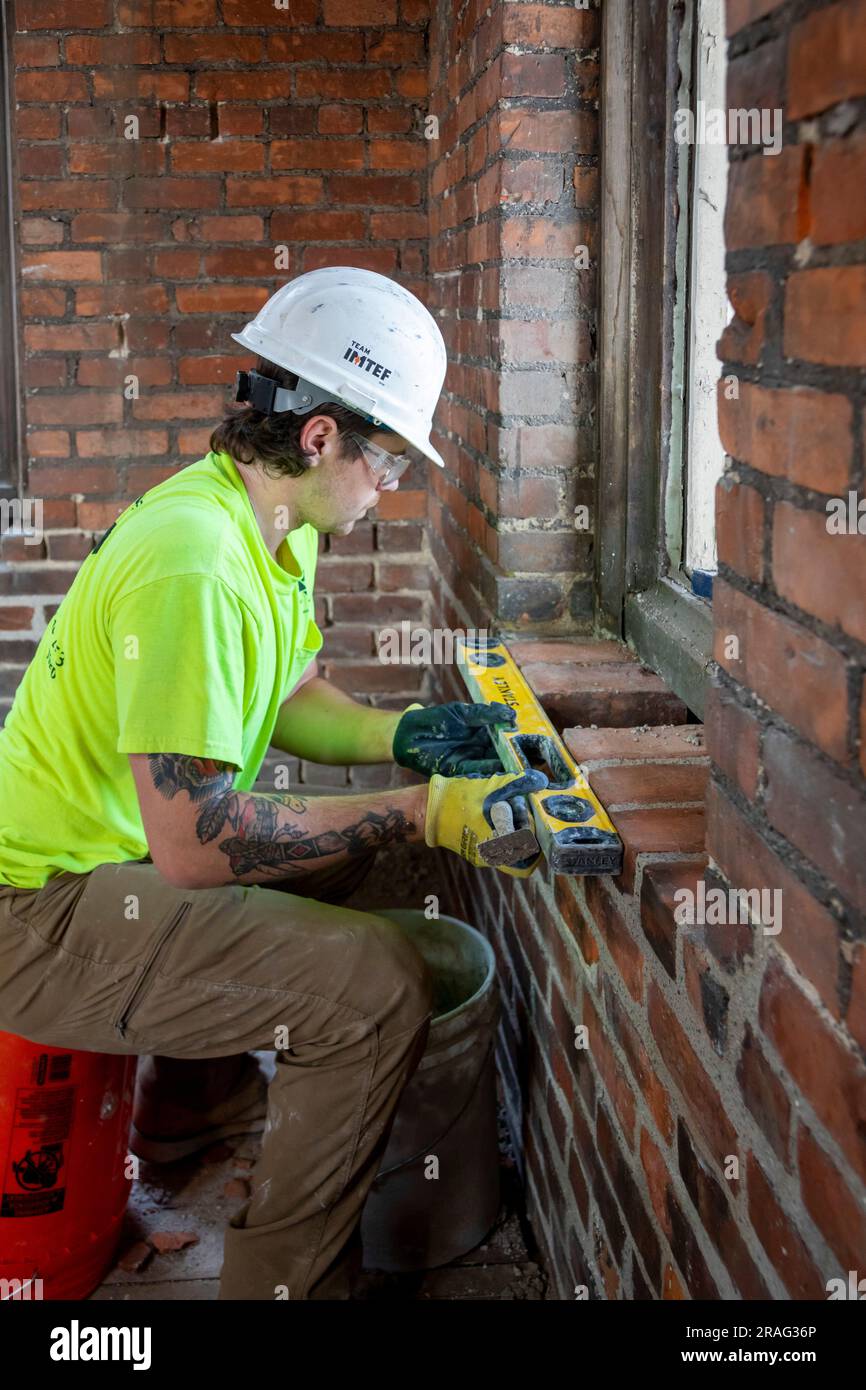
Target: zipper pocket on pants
x=127 y=1008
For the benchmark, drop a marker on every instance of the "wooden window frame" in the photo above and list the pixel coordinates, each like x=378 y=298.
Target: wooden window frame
x=644 y=174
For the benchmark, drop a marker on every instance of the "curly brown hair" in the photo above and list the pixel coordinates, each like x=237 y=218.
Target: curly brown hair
x=274 y=440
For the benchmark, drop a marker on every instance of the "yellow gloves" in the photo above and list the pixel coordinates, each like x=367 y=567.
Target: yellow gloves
x=458 y=813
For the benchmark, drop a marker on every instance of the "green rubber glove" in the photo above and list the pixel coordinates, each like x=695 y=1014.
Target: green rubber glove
x=452 y=740
x=458 y=814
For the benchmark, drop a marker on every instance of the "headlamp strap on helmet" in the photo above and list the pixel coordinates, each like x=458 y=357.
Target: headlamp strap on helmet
x=263 y=393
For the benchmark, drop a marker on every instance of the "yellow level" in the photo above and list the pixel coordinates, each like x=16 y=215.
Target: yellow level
x=574 y=830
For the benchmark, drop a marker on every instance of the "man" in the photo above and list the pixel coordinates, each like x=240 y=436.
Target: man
x=137 y=906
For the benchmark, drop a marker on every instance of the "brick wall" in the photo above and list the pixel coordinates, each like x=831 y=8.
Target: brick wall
x=707 y=1043
x=258 y=128
x=513 y=184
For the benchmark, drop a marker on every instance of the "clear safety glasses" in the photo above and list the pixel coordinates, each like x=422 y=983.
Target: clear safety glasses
x=387 y=467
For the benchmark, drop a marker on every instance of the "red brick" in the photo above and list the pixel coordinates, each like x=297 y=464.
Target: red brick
x=743 y=12
x=799 y=786
x=795 y=672
x=117 y=227
x=831 y=1204
x=47 y=480
x=743 y=340
x=171 y=193
x=698 y=1092
x=240 y=120
x=64 y=15
x=574 y=919
x=611 y=926
x=733 y=739
x=261 y=13
x=140 y=84
x=98 y=516
x=676 y=832
x=34 y=123
x=821 y=573
x=638 y=1059
x=177 y=405
x=764 y=1095
x=69 y=545
x=196 y=49
x=550 y=26
x=628 y=1193
x=117 y=50
x=40 y=161
x=610 y=1072
x=80 y=408
x=763 y=199
x=51 y=86
x=650 y=784
x=367 y=189
x=591 y=746
x=56 y=195
x=827 y=58
x=47 y=444
x=123 y=443
x=220 y=299
x=62 y=265
x=286 y=190
x=809 y=935
x=657 y=1179
x=661 y=883
x=830 y=1074
x=15 y=618
x=620 y=695
x=838 y=164
x=360 y=13
x=740 y=527
x=41 y=231
x=824 y=319
x=33 y=51
x=70 y=337
x=103 y=301
x=320 y=225
x=780 y=1238
x=710 y=1200
x=801 y=434
x=218 y=156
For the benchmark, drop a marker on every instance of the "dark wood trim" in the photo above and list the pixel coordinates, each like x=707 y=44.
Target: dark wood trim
x=614 y=305
x=638 y=289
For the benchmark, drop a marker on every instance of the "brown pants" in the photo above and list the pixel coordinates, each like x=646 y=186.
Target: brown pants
x=119 y=961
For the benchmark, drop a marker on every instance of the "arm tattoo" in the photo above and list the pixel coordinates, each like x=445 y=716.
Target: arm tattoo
x=259 y=843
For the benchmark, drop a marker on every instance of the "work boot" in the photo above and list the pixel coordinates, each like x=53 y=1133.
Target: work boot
x=183 y=1106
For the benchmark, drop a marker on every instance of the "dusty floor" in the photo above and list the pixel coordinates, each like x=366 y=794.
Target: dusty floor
x=192 y=1200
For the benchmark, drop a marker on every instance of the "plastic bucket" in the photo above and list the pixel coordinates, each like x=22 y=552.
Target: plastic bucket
x=436 y=1194
x=64 y=1136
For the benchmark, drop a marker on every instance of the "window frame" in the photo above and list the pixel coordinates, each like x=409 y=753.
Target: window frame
x=646 y=76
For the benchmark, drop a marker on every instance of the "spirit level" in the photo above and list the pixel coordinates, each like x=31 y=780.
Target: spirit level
x=575 y=832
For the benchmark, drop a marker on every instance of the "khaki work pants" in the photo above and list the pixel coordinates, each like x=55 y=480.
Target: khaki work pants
x=119 y=961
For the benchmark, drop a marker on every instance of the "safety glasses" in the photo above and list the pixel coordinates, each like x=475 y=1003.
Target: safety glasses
x=387 y=467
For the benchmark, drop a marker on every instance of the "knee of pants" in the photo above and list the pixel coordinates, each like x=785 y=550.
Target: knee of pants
x=399 y=983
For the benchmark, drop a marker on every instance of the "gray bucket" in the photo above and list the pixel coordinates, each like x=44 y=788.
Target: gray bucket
x=413 y=1220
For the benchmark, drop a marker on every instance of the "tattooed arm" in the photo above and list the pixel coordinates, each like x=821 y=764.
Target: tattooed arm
x=201 y=832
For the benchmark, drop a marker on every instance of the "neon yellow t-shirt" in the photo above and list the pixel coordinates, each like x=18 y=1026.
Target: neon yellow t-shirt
x=181 y=633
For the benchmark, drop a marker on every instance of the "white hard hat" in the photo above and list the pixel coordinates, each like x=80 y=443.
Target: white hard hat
x=356 y=337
